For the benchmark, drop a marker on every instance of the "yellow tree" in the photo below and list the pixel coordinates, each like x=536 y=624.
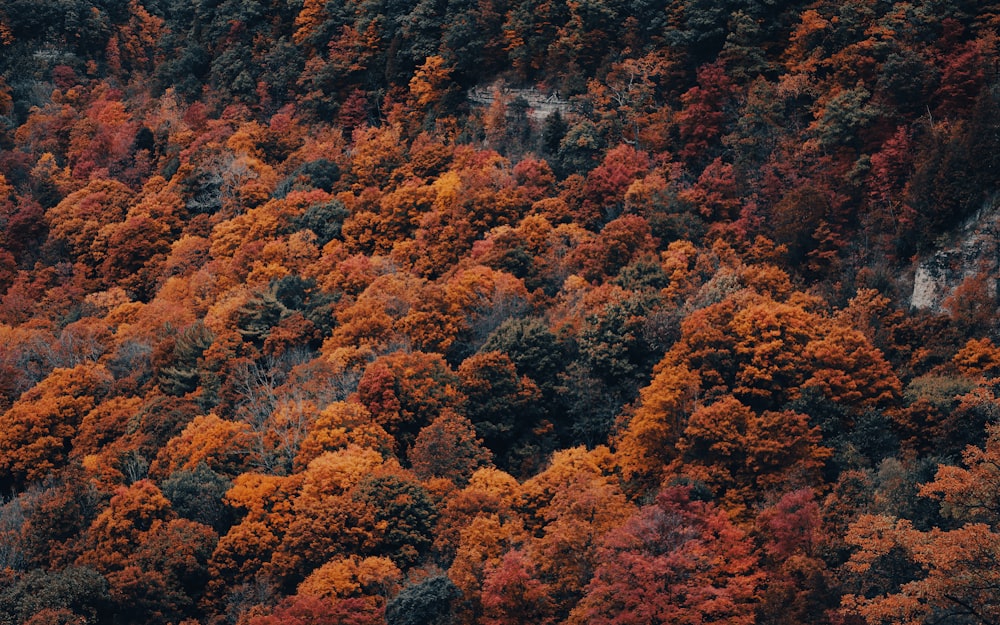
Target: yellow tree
x=946 y=575
x=742 y=455
x=76 y=221
x=568 y=508
x=223 y=445
x=323 y=519
x=36 y=433
x=770 y=337
x=647 y=443
x=489 y=491
x=481 y=549
x=116 y=532
x=339 y=425
x=263 y=504
x=849 y=370
x=371 y=579
x=429 y=82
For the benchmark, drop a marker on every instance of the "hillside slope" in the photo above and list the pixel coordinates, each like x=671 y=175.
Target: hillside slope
x=500 y=312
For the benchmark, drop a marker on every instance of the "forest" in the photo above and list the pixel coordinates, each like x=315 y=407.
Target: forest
x=541 y=312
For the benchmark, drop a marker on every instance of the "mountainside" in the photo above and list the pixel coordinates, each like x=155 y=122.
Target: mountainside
x=515 y=311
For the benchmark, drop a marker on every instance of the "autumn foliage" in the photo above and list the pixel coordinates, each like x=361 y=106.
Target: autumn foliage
x=524 y=311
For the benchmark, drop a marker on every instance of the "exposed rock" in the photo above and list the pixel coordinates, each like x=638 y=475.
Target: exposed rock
x=975 y=250
x=540 y=105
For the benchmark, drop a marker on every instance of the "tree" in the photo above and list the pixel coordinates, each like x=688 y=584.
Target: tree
x=101 y=141
x=310 y=18
x=529 y=29
x=181 y=373
x=53 y=535
x=578 y=153
x=263 y=505
x=325 y=219
x=845 y=117
x=197 y=495
x=482 y=545
x=569 y=507
x=339 y=425
x=647 y=443
x=676 y=561
x=405 y=391
x=949 y=178
x=309 y=610
x=220 y=444
x=532 y=347
x=137 y=40
x=430 y=82
x=748 y=345
x=490 y=491
x=133 y=248
x=962 y=77
x=701 y=118
x=607 y=183
x=323 y=518
x=116 y=533
x=512 y=593
x=105 y=423
x=39 y=428
x=424 y=603
x=799 y=586
x=169 y=574
x=979 y=357
x=742 y=455
x=948 y=574
x=971 y=305
x=970 y=493
x=57 y=616
x=851 y=371
x=620 y=242
x=502 y=406
x=39 y=594
x=613 y=342
x=889 y=219
x=959 y=579
x=24 y=221
x=448 y=448
x=402 y=516
x=76 y=221
x=371 y=579
x=156 y=564
x=476 y=301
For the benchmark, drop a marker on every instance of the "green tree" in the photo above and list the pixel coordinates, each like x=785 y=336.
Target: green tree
x=405 y=510
x=81 y=590
x=424 y=603
x=197 y=494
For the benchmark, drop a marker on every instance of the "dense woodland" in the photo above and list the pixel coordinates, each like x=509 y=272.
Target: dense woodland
x=293 y=332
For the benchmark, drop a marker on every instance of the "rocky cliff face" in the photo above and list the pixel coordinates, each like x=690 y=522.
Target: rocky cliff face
x=538 y=105
x=974 y=250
